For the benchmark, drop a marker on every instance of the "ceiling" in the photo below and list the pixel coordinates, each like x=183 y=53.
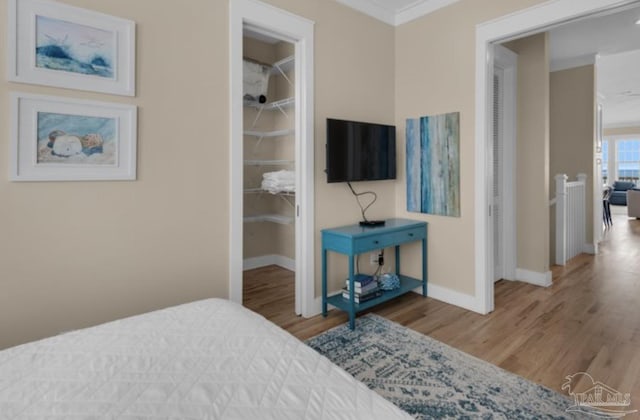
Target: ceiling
x=619 y=88
x=612 y=42
x=396 y=12
x=577 y=43
x=393 y=12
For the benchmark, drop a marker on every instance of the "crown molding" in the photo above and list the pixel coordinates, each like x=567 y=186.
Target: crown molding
x=419 y=9
x=369 y=8
x=395 y=18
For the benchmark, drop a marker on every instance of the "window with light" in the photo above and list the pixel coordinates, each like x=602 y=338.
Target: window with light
x=628 y=159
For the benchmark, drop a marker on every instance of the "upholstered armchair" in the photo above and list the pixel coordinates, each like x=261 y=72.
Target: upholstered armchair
x=619 y=194
x=633 y=203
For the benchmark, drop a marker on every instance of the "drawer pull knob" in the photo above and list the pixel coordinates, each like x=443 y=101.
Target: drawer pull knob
x=410 y=234
x=376 y=242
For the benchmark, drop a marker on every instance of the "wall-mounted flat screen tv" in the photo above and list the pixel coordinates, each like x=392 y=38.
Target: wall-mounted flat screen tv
x=359 y=151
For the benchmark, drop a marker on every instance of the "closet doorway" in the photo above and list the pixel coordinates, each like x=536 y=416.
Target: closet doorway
x=271 y=154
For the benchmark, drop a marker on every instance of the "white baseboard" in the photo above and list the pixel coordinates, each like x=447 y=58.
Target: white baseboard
x=265 y=260
x=434 y=291
x=452 y=297
x=589 y=249
x=317 y=305
x=534 y=277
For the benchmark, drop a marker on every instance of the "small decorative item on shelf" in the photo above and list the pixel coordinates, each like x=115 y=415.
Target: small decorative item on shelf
x=389 y=282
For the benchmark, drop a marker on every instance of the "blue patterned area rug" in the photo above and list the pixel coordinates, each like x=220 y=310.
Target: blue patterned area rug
x=429 y=379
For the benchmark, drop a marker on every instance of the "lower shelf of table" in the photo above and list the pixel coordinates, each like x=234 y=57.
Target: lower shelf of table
x=406 y=285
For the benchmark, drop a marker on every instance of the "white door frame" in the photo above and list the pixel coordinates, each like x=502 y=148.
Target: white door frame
x=507 y=61
x=526 y=21
x=597 y=174
x=298 y=31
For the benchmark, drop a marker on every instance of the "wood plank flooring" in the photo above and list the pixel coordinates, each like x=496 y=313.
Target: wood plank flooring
x=588 y=321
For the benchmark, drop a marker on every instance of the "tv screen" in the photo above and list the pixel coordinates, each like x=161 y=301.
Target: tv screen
x=359 y=151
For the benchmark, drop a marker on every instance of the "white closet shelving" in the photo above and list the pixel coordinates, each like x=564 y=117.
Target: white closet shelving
x=282 y=104
x=279 y=69
x=268 y=162
x=283 y=66
x=273 y=218
x=268 y=134
x=262 y=191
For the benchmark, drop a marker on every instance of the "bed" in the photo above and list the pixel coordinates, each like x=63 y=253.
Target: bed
x=210 y=359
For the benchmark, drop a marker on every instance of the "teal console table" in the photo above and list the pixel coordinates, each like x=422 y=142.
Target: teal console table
x=355 y=239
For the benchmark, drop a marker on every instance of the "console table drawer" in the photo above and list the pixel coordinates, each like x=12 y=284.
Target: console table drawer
x=409 y=235
x=370 y=243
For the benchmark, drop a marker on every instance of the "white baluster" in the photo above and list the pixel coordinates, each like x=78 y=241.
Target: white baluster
x=561 y=219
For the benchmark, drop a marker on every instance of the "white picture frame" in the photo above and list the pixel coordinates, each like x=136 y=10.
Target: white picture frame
x=61 y=139
x=54 y=44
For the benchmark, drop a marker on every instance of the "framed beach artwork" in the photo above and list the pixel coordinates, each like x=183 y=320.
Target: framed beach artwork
x=54 y=44
x=61 y=139
x=433 y=164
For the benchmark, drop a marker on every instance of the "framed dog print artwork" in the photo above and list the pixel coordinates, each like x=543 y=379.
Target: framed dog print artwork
x=54 y=44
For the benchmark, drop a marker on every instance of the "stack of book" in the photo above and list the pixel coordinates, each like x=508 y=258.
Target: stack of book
x=364 y=287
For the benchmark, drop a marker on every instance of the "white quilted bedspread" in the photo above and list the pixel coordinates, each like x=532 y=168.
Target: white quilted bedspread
x=210 y=359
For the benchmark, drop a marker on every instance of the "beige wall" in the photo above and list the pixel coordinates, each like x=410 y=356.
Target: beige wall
x=162 y=239
x=532 y=152
x=621 y=131
x=435 y=73
x=73 y=254
x=78 y=253
x=572 y=135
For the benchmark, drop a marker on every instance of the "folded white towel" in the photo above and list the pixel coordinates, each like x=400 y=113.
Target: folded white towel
x=279 y=181
x=283 y=175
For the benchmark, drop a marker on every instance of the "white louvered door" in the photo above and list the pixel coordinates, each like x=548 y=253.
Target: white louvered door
x=498 y=173
x=502 y=165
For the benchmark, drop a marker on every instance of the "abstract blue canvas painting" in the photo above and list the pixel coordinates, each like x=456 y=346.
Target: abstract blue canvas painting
x=433 y=164
x=76 y=139
x=74 y=48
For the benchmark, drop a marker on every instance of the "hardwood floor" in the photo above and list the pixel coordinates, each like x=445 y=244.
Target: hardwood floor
x=270 y=291
x=588 y=321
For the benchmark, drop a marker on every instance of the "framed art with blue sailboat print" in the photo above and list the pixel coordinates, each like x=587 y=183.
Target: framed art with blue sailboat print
x=54 y=44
